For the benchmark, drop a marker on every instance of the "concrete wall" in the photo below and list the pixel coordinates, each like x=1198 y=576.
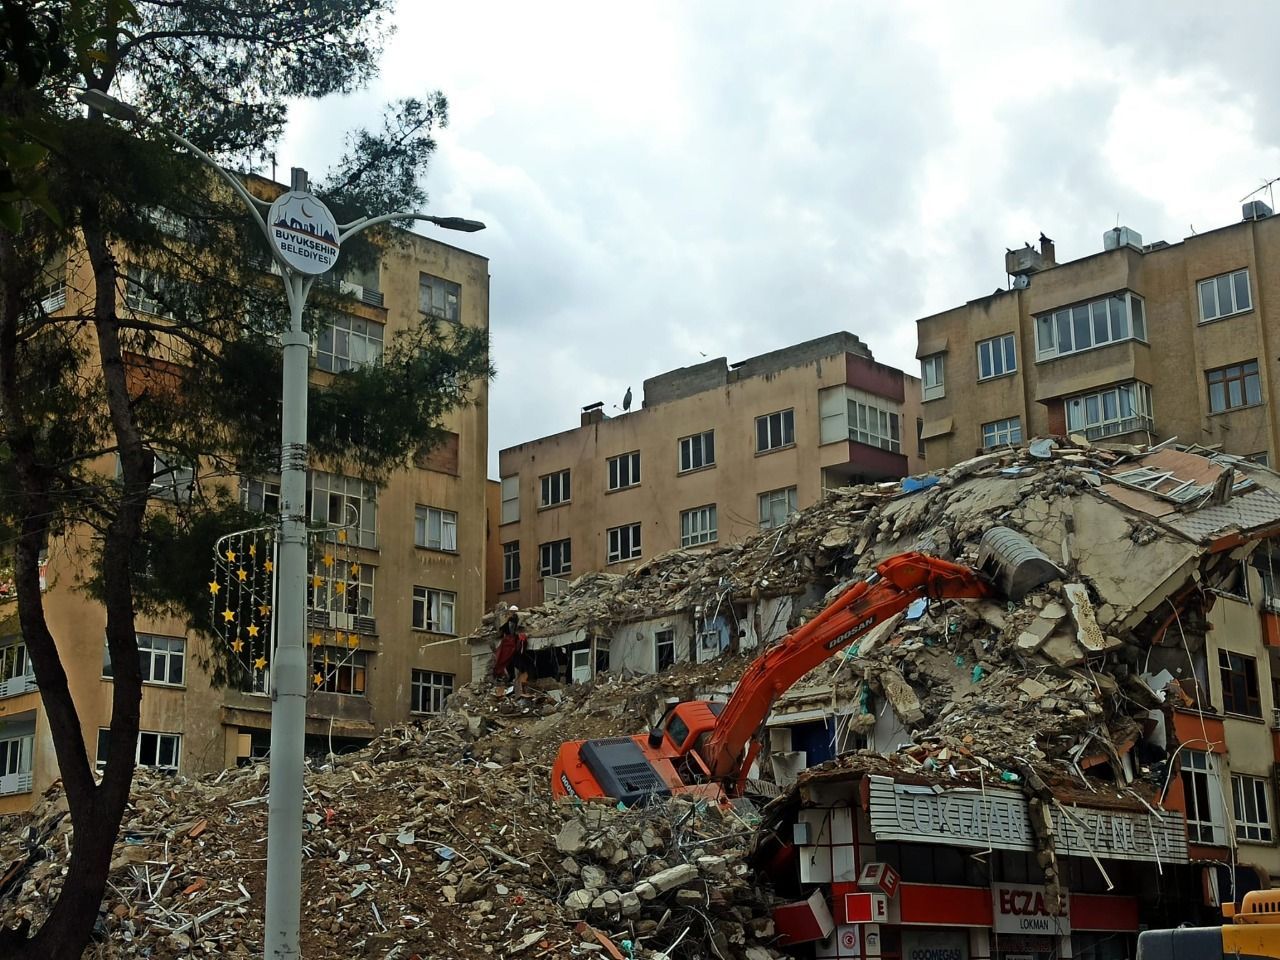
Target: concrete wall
x=1178 y=351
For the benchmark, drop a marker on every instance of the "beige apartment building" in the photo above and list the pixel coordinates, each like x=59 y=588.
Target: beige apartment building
x=715 y=453
x=1138 y=341
x=412 y=557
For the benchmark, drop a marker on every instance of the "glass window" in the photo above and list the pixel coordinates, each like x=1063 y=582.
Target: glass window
x=1252 y=808
x=1224 y=295
x=996 y=357
x=776 y=506
x=510 y=499
x=429 y=691
x=1200 y=789
x=511 y=566
x=438 y=297
x=555 y=559
x=932 y=379
x=159 y=751
x=624 y=470
x=340 y=586
x=775 y=430
x=623 y=543
x=163 y=659
x=1088 y=325
x=664 y=649
x=335 y=670
x=344 y=502
x=347 y=343
x=697 y=451
x=998 y=433
x=555 y=488
x=1239 y=684
x=435 y=529
x=1116 y=410
x=1234 y=386
x=872 y=424
x=698 y=526
x=433 y=610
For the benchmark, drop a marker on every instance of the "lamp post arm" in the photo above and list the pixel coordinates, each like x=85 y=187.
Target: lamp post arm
x=446 y=223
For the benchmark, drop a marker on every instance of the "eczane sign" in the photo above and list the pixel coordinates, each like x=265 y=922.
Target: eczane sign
x=303 y=232
x=1023 y=908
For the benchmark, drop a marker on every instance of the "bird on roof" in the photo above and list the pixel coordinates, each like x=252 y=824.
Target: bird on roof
x=1043 y=238
x=626 y=400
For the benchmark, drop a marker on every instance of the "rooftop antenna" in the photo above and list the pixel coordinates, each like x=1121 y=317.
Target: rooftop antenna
x=1268 y=186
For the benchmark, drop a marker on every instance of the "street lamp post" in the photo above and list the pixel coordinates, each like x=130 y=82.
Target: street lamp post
x=305 y=242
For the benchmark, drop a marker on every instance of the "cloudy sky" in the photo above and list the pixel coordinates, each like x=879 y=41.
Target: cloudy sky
x=667 y=180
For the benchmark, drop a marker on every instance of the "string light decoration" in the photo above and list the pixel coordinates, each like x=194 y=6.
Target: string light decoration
x=339 y=607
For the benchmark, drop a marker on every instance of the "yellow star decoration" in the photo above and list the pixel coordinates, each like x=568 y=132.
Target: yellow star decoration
x=237 y=644
x=253 y=549
x=342 y=536
x=340 y=586
x=353 y=640
x=252 y=630
x=260 y=663
x=355 y=569
x=231 y=556
x=242 y=575
x=327 y=559
x=340 y=637
x=317 y=581
x=264 y=610
x=318 y=679
x=315 y=639
x=214 y=587
x=228 y=616
x=268 y=566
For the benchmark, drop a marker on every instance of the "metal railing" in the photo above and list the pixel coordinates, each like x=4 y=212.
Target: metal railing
x=19 y=782
x=1275 y=718
x=17 y=685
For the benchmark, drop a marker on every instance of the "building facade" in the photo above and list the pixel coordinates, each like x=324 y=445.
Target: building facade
x=1137 y=342
x=716 y=453
x=411 y=553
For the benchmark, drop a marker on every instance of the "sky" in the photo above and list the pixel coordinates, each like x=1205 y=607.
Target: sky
x=669 y=182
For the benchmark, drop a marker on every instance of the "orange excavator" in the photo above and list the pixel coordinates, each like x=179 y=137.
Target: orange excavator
x=704 y=748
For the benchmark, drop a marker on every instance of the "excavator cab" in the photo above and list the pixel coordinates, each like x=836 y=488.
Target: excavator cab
x=1254 y=935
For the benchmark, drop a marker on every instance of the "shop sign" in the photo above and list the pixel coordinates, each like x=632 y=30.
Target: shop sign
x=1024 y=908
x=935 y=945
x=303 y=232
x=999 y=820
x=865 y=908
x=879 y=878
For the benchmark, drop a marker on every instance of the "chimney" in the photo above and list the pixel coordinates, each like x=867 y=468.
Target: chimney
x=1047 y=253
x=593 y=413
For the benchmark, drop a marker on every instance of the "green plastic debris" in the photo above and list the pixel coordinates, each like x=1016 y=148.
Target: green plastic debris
x=1010 y=777
x=960 y=660
x=978 y=673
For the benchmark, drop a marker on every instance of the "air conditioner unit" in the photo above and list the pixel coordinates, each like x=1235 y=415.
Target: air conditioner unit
x=356 y=290
x=341 y=621
x=1254 y=210
x=1118 y=237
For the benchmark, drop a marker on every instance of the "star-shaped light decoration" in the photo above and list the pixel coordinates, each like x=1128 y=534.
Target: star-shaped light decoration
x=253 y=549
x=228 y=616
x=242 y=574
x=317 y=581
x=260 y=663
x=316 y=639
x=340 y=586
x=264 y=610
x=353 y=640
x=355 y=570
x=327 y=559
x=268 y=566
x=342 y=535
x=340 y=637
x=214 y=587
x=230 y=555
x=252 y=630
x=237 y=644
x=317 y=678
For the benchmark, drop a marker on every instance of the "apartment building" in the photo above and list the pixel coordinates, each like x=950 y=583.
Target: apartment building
x=1136 y=341
x=383 y=650
x=715 y=453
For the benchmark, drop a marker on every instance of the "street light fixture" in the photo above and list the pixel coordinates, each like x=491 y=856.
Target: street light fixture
x=305 y=242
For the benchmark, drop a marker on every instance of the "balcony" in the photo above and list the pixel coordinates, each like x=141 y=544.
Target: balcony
x=19 y=782
x=16 y=686
x=1275 y=718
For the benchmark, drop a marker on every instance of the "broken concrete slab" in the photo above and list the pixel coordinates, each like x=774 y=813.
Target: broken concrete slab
x=901 y=697
x=1088 y=633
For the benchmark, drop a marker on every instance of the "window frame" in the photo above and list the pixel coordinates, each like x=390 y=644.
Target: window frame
x=614 y=537
x=511 y=566
x=1123 y=313
x=1140 y=402
x=352 y=492
x=555 y=482
x=510 y=498
x=871 y=424
x=357 y=329
x=444 y=602
x=785 y=429
x=933 y=376
x=1203 y=826
x=450 y=312
x=620 y=478
x=348 y=663
x=787 y=496
x=149 y=656
x=100 y=756
x=15 y=661
x=700 y=533
x=430 y=690
x=1233 y=373
x=445 y=520
x=1215 y=284
x=561 y=550
x=701 y=443
x=1007 y=353
x=1257 y=827
x=356 y=603
x=144 y=290
x=1246 y=671
x=663 y=638
x=1002 y=432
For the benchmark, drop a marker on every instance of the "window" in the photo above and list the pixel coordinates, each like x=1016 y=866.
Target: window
x=555 y=488
x=1235 y=386
x=334 y=670
x=15 y=764
x=555 y=559
x=997 y=433
x=698 y=526
x=433 y=610
x=342 y=586
x=435 y=529
x=624 y=471
x=1262 y=459
x=347 y=343
x=664 y=649
x=438 y=297
x=1084 y=326
x=159 y=751
x=624 y=543
x=16 y=673
x=144 y=291
x=1110 y=412
x=996 y=357
x=344 y=502
x=698 y=451
x=171 y=477
x=163 y=659
x=1252 y=811
x=776 y=506
x=1204 y=815
x=429 y=691
x=510 y=499
x=1239 y=684
x=260 y=496
x=511 y=566
x=872 y=424
x=932 y=381
x=775 y=430
x=1223 y=295
x=919 y=436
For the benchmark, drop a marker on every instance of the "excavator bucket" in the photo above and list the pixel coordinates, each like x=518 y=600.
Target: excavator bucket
x=1014 y=563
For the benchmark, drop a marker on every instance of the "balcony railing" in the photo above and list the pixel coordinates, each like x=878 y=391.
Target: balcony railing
x=15 y=783
x=17 y=685
x=1115 y=428
x=554 y=587
x=1275 y=718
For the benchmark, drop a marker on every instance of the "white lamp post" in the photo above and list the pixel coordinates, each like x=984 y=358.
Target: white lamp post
x=305 y=242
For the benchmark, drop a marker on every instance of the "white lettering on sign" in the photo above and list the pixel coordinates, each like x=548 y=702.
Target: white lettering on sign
x=303 y=232
x=1022 y=908
x=935 y=945
x=999 y=819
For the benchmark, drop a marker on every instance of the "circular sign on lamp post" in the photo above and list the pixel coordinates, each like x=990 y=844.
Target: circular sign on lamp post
x=303 y=232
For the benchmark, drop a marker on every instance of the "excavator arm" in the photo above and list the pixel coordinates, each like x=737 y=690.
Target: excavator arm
x=896 y=583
